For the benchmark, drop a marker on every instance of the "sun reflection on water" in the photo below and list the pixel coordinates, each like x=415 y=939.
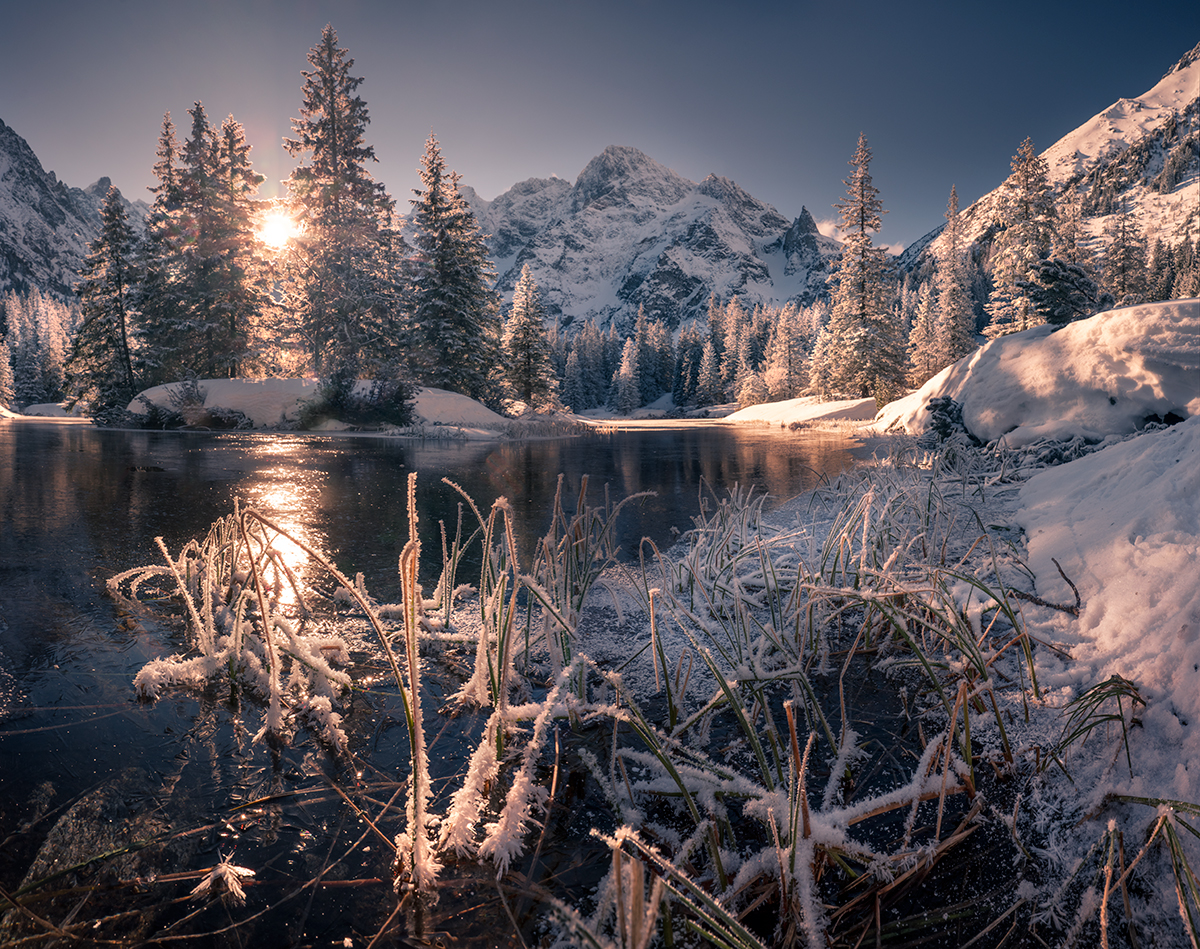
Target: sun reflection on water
x=287 y=497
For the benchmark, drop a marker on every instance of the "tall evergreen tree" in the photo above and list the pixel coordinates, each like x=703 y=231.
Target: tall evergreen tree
x=626 y=387
x=101 y=361
x=527 y=349
x=1027 y=217
x=454 y=312
x=1123 y=263
x=710 y=389
x=345 y=264
x=866 y=351
x=7 y=393
x=687 y=364
x=923 y=357
x=159 y=312
x=954 y=328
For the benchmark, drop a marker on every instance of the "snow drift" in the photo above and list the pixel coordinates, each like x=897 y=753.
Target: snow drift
x=1105 y=375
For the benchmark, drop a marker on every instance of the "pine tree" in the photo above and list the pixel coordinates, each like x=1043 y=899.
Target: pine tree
x=454 y=313
x=923 y=356
x=7 y=392
x=1061 y=292
x=345 y=265
x=626 y=389
x=866 y=352
x=158 y=311
x=527 y=349
x=1027 y=216
x=687 y=365
x=1123 y=263
x=954 y=327
x=785 y=374
x=752 y=391
x=101 y=361
x=1160 y=273
x=710 y=389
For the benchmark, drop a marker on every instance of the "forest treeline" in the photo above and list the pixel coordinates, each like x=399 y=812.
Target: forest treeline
x=347 y=293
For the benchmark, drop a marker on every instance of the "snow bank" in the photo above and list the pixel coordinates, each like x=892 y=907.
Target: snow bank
x=274 y=402
x=807 y=409
x=1100 y=376
x=1124 y=523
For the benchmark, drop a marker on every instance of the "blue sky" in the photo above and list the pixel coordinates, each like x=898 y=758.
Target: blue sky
x=770 y=94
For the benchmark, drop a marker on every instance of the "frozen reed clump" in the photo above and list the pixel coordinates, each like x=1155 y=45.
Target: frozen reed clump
x=240 y=627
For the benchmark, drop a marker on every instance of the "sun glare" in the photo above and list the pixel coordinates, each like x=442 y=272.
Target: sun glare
x=277 y=229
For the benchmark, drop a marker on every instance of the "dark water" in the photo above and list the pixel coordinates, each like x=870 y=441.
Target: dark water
x=78 y=505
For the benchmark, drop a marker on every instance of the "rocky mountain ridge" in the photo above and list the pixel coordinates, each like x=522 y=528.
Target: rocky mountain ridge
x=631 y=232
x=45 y=226
x=1140 y=154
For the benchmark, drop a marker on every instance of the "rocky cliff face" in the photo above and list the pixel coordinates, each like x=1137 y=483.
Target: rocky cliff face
x=630 y=232
x=45 y=226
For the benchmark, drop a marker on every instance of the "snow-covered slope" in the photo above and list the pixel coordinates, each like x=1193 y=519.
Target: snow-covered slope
x=45 y=226
x=1106 y=375
x=632 y=232
x=1141 y=153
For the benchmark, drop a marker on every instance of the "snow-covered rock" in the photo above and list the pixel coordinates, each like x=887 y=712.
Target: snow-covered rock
x=272 y=403
x=1105 y=375
x=806 y=409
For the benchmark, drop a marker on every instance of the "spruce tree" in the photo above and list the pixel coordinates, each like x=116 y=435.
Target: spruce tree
x=923 y=356
x=710 y=389
x=7 y=392
x=1123 y=260
x=454 y=312
x=626 y=388
x=866 y=352
x=1027 y=217
x=527 y=349
x=954 y=323
x=344 y=267
x=101 y=361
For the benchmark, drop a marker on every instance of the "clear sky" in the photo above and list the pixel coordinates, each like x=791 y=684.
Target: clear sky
x=770 y=94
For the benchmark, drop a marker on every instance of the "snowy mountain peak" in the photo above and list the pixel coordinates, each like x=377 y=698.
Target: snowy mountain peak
x=1140 y=154
x=621 y=174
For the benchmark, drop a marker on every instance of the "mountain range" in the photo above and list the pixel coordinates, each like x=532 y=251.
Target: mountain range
x=630 y=232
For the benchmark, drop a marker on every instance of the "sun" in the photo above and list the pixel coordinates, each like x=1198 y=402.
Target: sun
x=276 y=229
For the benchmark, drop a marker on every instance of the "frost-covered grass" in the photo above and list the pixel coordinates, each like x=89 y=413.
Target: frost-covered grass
x=825 y=726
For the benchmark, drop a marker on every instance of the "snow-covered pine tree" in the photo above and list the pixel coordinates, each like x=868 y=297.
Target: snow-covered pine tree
x=344 y=267
x=753 y=391
x=157 y=310
x=1027 y=219
x=1123 y=259
x=1160 y=272
x=101 y=361
x=1061 y=292
x=454 y=312
x=732 y=324
x=26 y=346
x=866 y=352
x=574 y=396
x=1068 y=236
x=6 y=375
x=954 y=325
x=53 y=321
x=710 y=389
x=785 y=372
x=923 y=357
x=662 y=350
x=689 y=352
x=527 y=349
x=626 y=388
